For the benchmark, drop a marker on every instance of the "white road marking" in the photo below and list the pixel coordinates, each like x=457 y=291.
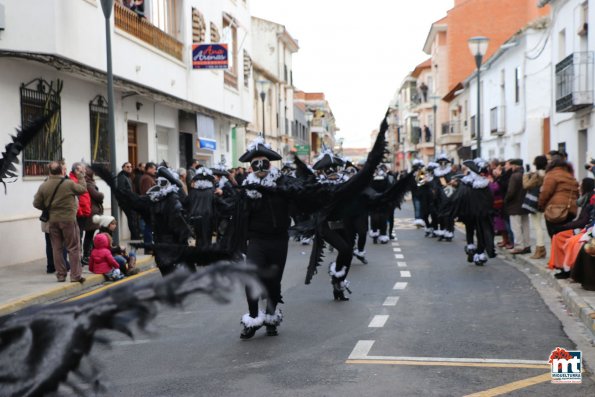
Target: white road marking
x=361 y=349
x=400 y=285
x=378 y=321
x=391 y=301
x=396 y=250
x=130 y=342
x=405 y=273
x=395 y=244
x=402 y=264
x=399 y=256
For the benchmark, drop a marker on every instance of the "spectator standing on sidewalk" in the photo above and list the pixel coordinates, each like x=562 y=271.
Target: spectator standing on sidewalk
x=559 y=188
x=63 y=225
x=147 y=181
x=96 y=209
x=124 y=181
x=83 y=212
x=532 y=182
x=513 y=203
x=137 y=174
x=503 y=180
x=190 y=173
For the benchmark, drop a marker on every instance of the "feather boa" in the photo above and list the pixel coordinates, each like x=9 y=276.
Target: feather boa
x=202 y=184
x=441 y=172
x=157 y=195
x=270 y=180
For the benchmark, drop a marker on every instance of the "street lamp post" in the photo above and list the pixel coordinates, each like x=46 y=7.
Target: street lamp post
x=107 y=7
x=263 y=85
x=478 y=46
x=434 y=99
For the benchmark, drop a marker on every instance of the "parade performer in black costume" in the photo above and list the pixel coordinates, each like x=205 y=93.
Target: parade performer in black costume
x=161 y=206
x=379 y=215
x=337 y=202
x=417 y=168
x=442 y=177
x=200 y=206
x=429 y=200
x=267 y=225
x=473 y=204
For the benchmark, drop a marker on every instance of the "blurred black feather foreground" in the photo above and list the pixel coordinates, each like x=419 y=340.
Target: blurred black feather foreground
x=10 y=156
x=40 y=347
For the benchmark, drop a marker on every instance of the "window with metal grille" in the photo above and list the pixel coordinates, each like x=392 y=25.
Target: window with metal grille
x=98 y=116
x=199 y=27
x=38 y=97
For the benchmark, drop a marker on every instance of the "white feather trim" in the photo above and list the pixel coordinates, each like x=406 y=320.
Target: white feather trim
x=439 y=232
x=470 y=247
x=441 y=172
x=222 y=182
x=469 y=178
x=274 y=319
x=202 y=184
x=373 y=234
x=332 y=271
x=358 y=253
x=258 y=141
x=251 y=322
x=270 y=180
x=480 y=182
x=158 y=194
x=383 y=239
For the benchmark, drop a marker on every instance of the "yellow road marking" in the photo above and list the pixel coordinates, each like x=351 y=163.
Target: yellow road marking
x=127 y=279
x=521 y=384
x=448 y=364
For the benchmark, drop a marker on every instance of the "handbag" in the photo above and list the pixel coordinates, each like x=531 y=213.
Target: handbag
x=557 y=213
x=45 y=213
x=531 y=199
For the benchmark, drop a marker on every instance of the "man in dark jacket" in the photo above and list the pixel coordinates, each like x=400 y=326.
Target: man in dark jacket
x=124 y=182
x=513 y=206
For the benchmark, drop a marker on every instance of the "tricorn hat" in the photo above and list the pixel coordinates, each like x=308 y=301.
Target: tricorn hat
x=443 y=158
x=518 y=162
x=257 y=148
x=220 y=170
x=328 y=160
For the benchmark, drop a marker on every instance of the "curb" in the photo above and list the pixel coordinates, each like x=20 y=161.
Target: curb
x=65 y=290
x=574 y=303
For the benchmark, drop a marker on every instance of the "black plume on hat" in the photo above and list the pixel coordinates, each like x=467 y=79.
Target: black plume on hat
x=471 y=165
x=259 y=148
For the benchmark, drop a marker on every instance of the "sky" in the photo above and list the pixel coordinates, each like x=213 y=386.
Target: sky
x=357 y=53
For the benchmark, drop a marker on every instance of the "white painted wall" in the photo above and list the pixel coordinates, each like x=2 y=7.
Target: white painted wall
x=565 y=126
x=523 y=119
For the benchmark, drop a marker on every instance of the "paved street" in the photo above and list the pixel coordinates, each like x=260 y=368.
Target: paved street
x=417 y=299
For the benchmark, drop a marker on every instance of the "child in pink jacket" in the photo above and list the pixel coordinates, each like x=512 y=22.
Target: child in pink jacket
x=101 y=260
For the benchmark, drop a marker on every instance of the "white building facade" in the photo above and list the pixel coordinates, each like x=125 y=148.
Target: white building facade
x=273 y=49
x=572 y=75
x=55 y=50
x=515 y=99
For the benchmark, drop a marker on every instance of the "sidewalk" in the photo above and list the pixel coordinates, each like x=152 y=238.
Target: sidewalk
x=579 y=302
x=27 y=284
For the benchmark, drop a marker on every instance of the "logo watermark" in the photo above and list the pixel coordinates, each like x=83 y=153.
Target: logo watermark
x=566 y=366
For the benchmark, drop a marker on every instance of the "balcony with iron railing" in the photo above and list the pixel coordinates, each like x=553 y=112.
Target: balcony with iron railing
x=131 y=23
x=574 y=82
x=451 y=133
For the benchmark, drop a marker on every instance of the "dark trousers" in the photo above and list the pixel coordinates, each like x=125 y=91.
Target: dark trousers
x=66 y=234
x=469 y=222
x=485 y=235
x=133 y=224
x=49 y=254
x=339 y=239
x=269 y=256
x=378 y=221
x=391 y=220
x=360 y=229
